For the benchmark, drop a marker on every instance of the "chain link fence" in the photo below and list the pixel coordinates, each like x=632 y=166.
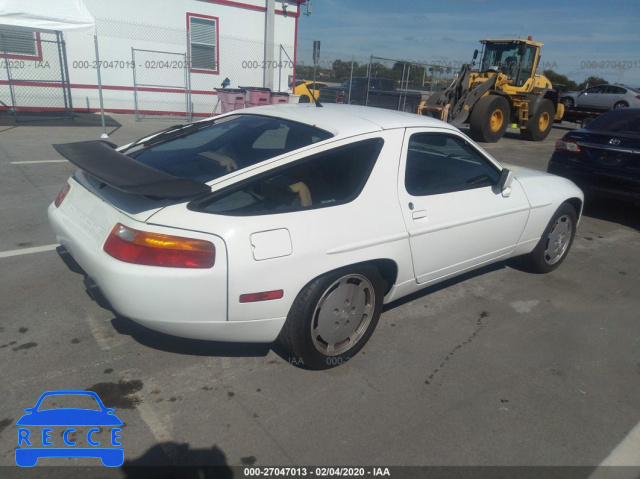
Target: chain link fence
x=337 y=67
x=34 y=75
x=160 y=83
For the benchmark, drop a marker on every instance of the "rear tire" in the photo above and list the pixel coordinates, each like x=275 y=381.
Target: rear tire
x=489 y=119
x=304 y=99
x=555 y=242
x=567 y=102
x=539 y=126
x=620 y=104
x=333 y=317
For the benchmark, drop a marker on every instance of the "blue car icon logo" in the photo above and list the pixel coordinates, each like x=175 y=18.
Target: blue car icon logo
x=84 y=432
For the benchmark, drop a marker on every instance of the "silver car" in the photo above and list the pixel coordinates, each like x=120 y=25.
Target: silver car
x=602 y=97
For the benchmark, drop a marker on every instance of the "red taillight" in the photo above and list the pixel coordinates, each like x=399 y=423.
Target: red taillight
x=264 y=296
x=153 y=249
x=62 y=195
x=638 y=97
x=570 y=146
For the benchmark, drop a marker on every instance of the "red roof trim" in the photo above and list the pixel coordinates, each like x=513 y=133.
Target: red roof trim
x=247 y=6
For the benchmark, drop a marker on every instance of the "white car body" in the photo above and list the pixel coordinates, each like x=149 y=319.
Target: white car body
x=420 y=240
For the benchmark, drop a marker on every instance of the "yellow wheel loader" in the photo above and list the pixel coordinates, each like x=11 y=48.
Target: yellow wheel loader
x=504 y=90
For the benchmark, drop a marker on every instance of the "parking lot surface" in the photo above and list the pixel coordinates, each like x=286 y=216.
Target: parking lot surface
x=497 y=368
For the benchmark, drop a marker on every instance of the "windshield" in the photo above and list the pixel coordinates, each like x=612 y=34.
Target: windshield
x=226 y=145
x=514 y=59
x=623 y=120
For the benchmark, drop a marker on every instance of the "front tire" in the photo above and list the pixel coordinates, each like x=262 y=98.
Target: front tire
x=555 y=242
x=539 y=126
x=489 y=119
x=568 y=103
x=333 y=317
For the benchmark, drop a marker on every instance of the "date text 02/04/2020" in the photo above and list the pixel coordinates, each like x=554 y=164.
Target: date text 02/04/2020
x=316 y=471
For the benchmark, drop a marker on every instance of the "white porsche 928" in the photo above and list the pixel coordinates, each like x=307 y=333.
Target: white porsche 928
x=297 y=222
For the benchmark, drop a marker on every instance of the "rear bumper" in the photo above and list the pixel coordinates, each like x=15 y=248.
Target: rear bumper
x=93 y=290
x=258 y=331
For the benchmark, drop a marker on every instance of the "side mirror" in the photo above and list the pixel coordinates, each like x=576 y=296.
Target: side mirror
x=504 y=182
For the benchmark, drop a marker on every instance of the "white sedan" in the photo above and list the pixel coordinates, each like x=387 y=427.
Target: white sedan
x=297 y=222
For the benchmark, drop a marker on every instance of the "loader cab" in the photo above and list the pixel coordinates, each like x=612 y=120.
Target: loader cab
x=516 y=59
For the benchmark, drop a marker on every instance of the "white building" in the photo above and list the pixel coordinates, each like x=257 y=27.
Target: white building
x=156 y=56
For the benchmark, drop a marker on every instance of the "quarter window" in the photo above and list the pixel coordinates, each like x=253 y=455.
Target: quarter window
x=331 y=178
x=439 y=163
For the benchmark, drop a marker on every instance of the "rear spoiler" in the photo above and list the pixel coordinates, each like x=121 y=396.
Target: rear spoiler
x=123 y=173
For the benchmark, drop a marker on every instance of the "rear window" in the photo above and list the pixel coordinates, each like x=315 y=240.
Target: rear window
x=207 y=152
x=621 y=120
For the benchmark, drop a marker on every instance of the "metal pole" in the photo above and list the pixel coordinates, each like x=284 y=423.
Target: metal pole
x=186 y=91
x=431 y=81
x=66 y=72
x=135 y=87
x=6 y=63
x=104 y=127
x=406 y=87
x=315 y=67
x=61 y=64
x=366 y=98
x=280 y=68
x=269 y=35
x=187 y=76
x=404 y=69
x=350 y=81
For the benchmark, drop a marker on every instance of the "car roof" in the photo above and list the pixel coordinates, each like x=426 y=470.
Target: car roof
x=346 y=120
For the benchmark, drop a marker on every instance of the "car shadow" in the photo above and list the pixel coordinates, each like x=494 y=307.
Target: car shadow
x=191 y=347
x=512 y=263
x=615 y=211
x=178 y=460
x=195 y=347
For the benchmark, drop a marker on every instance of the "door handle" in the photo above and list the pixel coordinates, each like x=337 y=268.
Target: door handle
x=416 y=215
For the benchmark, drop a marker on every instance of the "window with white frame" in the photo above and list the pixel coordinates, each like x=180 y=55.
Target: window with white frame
x=203 y=43
x=17 y=42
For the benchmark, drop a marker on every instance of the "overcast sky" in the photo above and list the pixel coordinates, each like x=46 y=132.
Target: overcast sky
x=581 y=39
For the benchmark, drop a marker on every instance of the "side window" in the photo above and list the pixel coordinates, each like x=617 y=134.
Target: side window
x=527 y=65
x=595 y=89
x=330 y=178
x=439 y=163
